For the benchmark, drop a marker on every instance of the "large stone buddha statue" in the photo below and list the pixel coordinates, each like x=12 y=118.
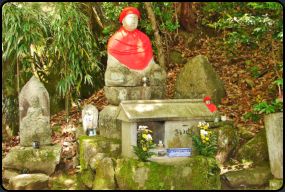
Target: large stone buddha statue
x=130 y=59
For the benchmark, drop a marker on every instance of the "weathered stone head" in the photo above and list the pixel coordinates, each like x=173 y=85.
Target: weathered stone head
x=130 y=58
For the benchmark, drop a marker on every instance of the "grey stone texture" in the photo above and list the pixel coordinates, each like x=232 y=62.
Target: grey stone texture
x=29 y=182
x=42 y=160
x=94 y=161
x=117 y=94
x=274 y=134
x=228 y=142
x=109 y=126
x=255 y=149
x=34 y=114
x=118 y=75
x=198 y=79
x=89 y=117
x=91 y=146
x=249 y=178
x=8 y=174
x=105 y=175
x=122 y=83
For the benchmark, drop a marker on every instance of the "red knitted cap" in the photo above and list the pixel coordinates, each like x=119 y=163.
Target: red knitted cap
x=207 y=98
x=128 y=10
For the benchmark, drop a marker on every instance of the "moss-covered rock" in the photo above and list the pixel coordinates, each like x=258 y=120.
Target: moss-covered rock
x=175 y=57
x=198 y=79
x=254 y=150
x=105 y=175
x=253 y=177
x=42 y=160
x=199 y=173
x=228 y=142
x=86 y=177
x=90 y=146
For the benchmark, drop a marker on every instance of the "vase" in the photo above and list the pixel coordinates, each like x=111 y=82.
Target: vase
x=223 y=118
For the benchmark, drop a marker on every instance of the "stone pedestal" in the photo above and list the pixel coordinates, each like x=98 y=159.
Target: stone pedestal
x=109 y=126
x=274 y=134
x=117 y=94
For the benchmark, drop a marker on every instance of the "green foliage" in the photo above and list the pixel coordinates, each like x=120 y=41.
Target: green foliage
x=254 y=71
x=271 y=108
x=254 y=117
x=206 y=143
x=73 y=44
x=250 y=24
x=144 y=144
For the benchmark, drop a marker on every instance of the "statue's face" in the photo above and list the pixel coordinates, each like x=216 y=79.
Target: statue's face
x=208 y=102
x=130 y=22
x=34 y=101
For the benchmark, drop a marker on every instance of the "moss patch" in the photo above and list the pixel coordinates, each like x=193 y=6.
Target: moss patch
x=201 y=173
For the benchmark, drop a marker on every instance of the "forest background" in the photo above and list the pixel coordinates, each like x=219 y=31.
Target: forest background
x=64 y=46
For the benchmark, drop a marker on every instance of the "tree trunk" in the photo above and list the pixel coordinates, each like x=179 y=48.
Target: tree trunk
x=158 y=44
x=187 y=17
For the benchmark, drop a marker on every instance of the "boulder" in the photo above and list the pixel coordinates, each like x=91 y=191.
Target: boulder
x=42 y=160
x=94 y=161
x=198 y=79
x=109 y=126
x=175 y=57
x=274 y=134
x=275 y=184
x=29 y=182
x=91 y=146
x=254 y=150
x=253 y=177
x=105 y=175
x=9 y=174
x=79 y=131
x=200 y=173
x=228 y=142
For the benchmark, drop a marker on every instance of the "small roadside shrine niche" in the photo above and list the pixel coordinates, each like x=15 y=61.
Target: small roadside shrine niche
x=90 y=119
x=34 y=114
x=169 y=120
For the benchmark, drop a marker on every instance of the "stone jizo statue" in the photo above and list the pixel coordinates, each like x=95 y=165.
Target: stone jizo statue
x=210 y=105
x=90 y=118
x=130 y=56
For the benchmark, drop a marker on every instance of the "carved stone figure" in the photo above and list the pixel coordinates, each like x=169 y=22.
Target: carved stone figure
x=89 y=118
x=130 y=58
x=34 y=114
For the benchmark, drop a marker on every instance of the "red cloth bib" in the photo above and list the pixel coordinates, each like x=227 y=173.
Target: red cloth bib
x=132 y=48
x=212 y=107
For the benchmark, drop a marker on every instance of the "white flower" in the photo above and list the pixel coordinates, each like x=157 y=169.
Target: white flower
x=148 y=137
x=199 y=123
x=203 y=132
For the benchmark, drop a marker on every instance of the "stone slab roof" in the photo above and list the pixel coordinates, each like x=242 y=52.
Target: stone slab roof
x=162 y=110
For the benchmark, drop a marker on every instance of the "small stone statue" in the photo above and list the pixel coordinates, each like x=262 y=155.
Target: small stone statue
x=210 y=105
x=90 y=119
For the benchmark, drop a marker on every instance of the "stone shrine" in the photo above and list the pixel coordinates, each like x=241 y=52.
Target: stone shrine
x=89 y=117
x=34 y=114
x=170 y=120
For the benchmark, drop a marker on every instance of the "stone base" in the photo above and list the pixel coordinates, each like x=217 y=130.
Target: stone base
x=116 y=94
x=109 y=126
x=42 y=160
x=29 y=182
